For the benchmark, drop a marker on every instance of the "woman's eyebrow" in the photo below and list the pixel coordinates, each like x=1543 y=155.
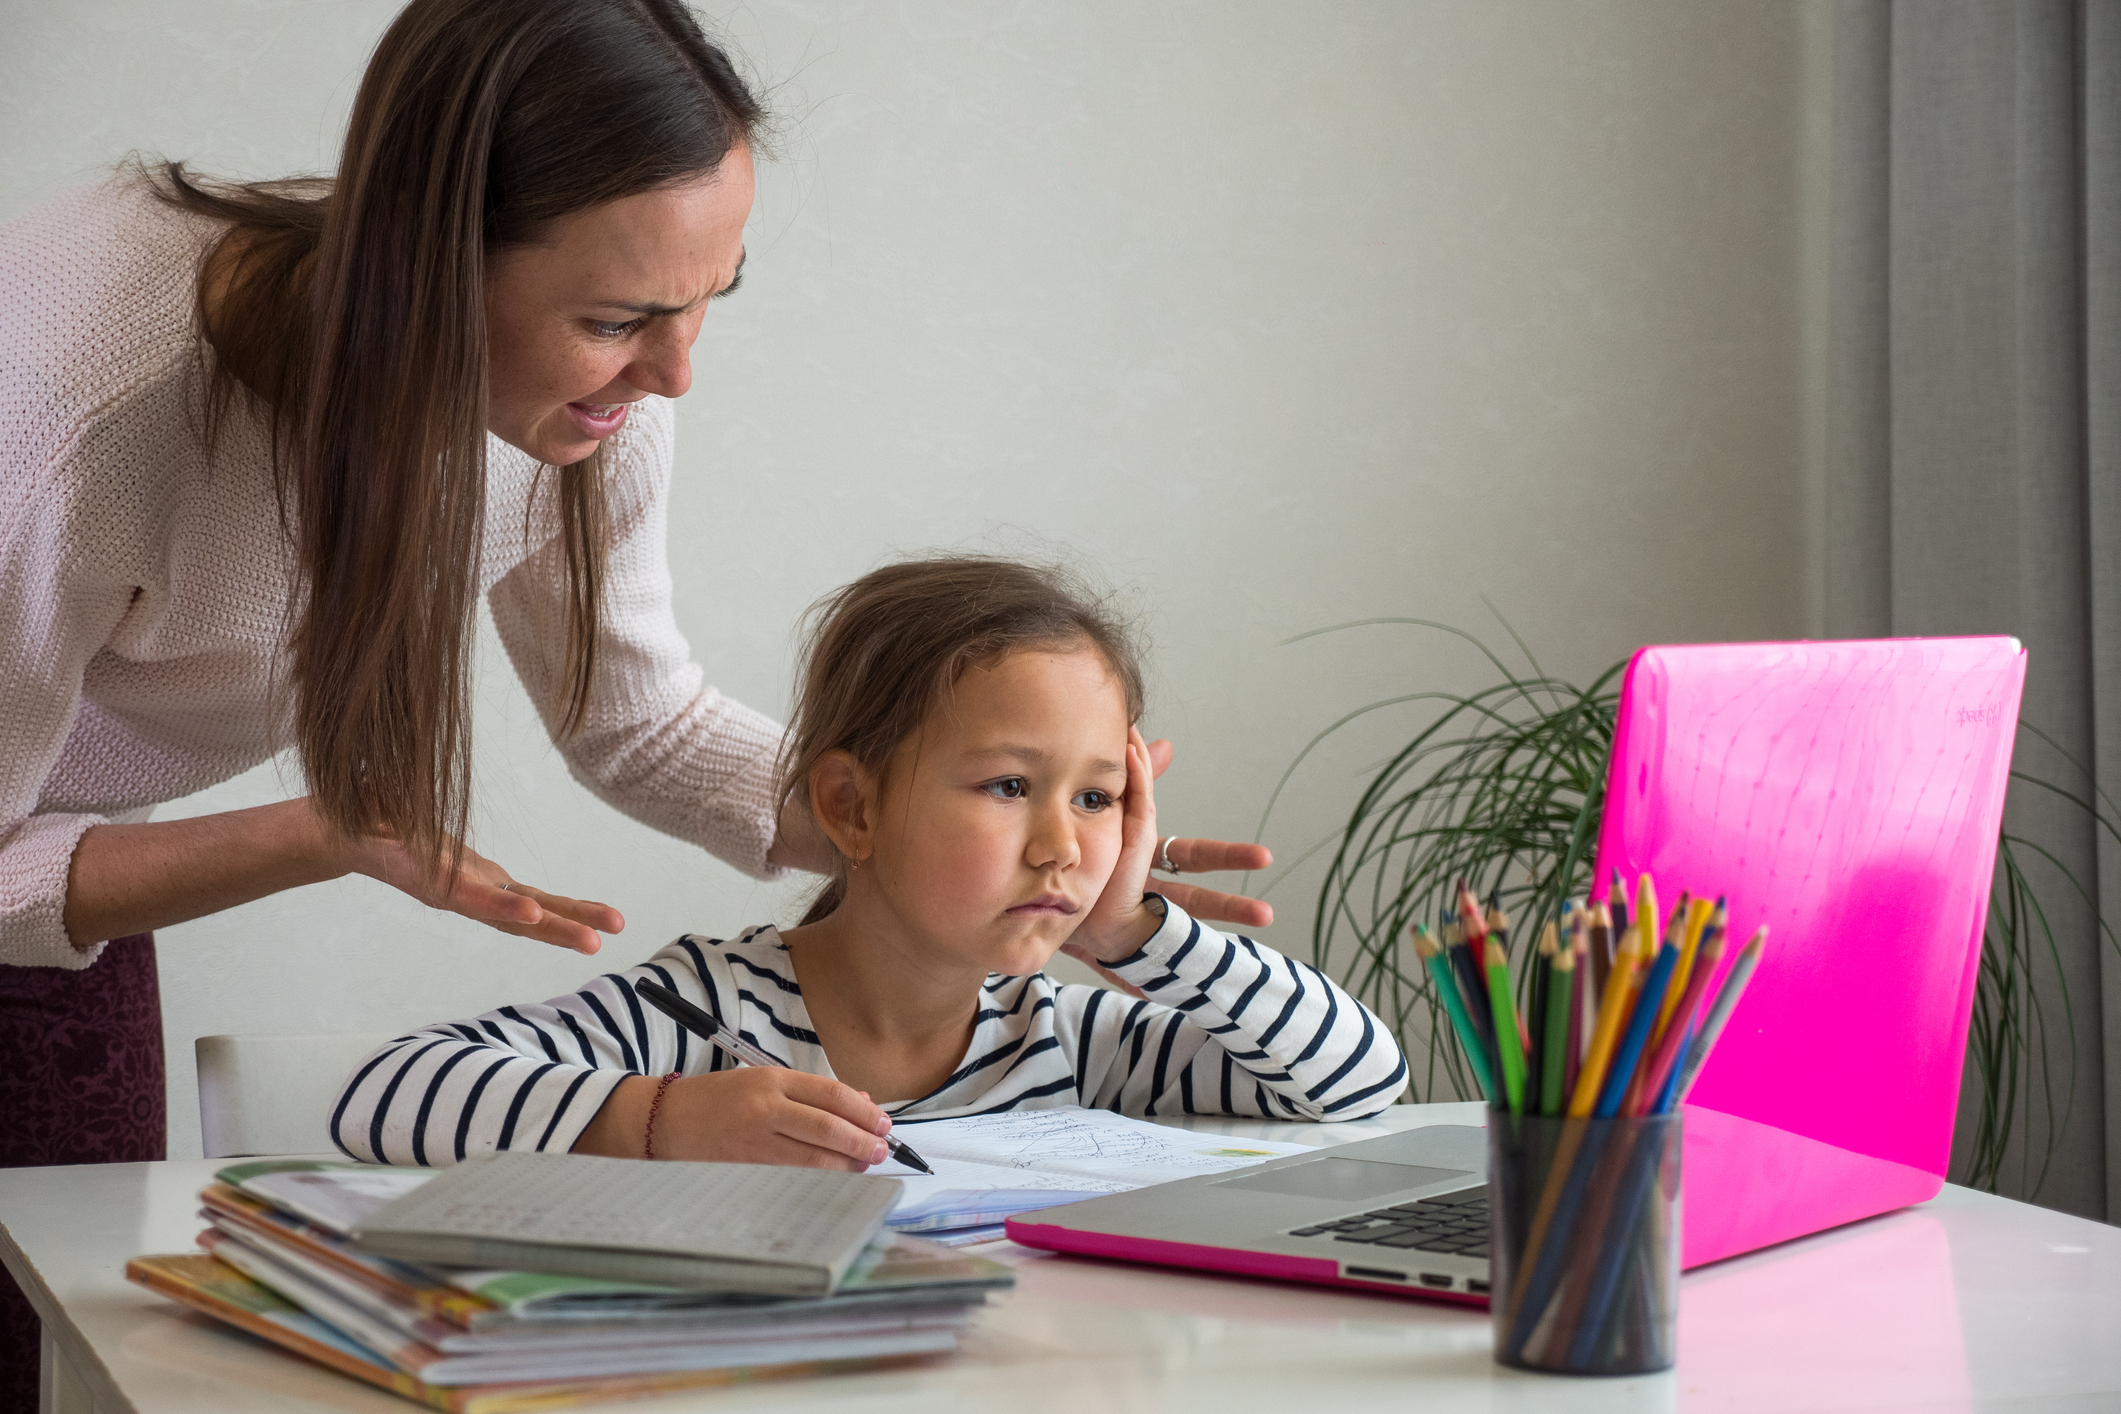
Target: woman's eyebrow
x=735 y=279
x=651 y=310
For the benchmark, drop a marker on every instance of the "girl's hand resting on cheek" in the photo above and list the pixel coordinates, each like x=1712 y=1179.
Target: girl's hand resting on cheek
x=750 y=1115
x=1122 y=920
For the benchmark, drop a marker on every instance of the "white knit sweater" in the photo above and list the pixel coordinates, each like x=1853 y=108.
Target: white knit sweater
x=144 y=591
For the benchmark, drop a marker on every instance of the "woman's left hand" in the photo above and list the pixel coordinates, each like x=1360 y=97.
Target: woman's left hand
x=1191 y=856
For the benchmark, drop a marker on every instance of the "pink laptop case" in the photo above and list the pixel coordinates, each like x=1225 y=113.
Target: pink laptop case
x=1848 y=795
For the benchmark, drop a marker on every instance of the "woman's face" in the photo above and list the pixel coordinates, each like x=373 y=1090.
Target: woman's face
x=605 y=309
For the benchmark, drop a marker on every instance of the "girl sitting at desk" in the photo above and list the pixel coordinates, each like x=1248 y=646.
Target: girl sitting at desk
x=965 y=736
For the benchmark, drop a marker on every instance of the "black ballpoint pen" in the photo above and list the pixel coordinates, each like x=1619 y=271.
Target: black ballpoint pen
x=700 y=1024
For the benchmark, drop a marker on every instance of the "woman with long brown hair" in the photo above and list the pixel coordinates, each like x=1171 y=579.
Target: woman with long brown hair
x=263 y=448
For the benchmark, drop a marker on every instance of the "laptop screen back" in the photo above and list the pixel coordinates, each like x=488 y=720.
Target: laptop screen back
x=1847 y=795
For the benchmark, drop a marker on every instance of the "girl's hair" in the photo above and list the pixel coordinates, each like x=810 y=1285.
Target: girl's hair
x=882 y=654
x=351 y=312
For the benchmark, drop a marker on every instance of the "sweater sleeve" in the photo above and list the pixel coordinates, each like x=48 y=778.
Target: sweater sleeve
x=658 y=742
x=1228 y=1027
x=55 y=613
x=529 y=1076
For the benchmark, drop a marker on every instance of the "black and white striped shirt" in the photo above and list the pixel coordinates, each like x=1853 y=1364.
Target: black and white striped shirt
x=1229 y=1027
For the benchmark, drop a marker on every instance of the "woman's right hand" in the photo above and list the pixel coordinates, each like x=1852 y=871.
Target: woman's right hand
x=484 y=891
x=750 y=1115
x=126 y=879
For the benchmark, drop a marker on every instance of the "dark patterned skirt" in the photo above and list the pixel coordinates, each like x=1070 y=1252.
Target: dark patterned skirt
x=80 y=1083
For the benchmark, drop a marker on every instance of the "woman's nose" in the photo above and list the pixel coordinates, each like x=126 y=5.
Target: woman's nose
x=664 y=367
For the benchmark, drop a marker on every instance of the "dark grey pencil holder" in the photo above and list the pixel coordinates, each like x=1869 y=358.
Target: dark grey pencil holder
x=1584 y=1242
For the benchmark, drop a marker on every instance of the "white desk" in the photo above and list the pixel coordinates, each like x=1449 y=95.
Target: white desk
x=1966 y=1303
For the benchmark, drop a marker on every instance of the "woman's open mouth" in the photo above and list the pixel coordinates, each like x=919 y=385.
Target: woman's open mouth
x=599 y=420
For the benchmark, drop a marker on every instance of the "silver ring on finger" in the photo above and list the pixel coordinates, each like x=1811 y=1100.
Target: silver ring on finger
x=1163 y=856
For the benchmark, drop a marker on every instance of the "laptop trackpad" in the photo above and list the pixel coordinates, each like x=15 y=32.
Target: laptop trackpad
x=1344 y=1180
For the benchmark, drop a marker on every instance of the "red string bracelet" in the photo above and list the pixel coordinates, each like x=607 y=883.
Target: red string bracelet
x=648 y=1140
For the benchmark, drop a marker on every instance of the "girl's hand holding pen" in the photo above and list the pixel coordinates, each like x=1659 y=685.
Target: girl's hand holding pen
x=749 y=1115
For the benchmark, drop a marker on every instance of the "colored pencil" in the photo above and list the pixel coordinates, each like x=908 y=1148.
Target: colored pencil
x=1580 y=1001
x=1532 y=1285
x=1599 y=924
x=1578 y=1231
x=1632 y=1180
x=1719 y=1015
x=1469 y=916
x=1675 y=932
x=1554 y=1040
x=1637 y=1035
x=1506 y=1032
x=1699 y=912
x=1498 y=931
x=1473 y=992
x=1646 y=916
x=1612 y=1011
x=1541 y=960
x=1643 y=1098
x=1540 y=1272
x=1431 y=954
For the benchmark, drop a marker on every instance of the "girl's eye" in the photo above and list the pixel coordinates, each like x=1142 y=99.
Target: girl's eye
x=1092 y=800
x=1008 y=788
x=614 y=331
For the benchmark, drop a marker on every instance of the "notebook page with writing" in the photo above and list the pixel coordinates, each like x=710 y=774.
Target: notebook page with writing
x=990 y=1166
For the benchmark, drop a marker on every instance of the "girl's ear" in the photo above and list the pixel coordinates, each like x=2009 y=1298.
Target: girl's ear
x=843 y=799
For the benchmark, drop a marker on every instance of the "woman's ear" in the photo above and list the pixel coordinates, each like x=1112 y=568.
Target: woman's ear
x=843 y=798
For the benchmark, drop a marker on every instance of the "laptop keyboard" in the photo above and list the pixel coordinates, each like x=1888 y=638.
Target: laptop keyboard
x=1455 y=1222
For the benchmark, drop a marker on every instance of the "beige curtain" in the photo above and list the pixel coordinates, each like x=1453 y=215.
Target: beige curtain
x=1974 y=449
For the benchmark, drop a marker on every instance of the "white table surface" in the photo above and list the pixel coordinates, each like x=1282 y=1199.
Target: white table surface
x=1969 y=1302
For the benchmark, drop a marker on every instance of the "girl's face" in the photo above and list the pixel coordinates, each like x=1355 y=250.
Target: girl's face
x=996 y=828
x=604 y=310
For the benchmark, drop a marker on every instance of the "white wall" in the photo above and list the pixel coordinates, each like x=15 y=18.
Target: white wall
x=1282 y=316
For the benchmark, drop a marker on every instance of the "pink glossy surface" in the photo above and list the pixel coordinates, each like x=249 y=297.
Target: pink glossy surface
x=1053 y=1237
x=1848 y=795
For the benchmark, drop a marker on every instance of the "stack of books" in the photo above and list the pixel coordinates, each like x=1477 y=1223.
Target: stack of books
x=389 y=1275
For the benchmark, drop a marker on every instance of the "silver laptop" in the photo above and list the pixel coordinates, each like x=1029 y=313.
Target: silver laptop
x=1406 y=1211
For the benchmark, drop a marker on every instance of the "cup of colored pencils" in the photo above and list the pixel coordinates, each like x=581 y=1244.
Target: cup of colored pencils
x=1620 y=1007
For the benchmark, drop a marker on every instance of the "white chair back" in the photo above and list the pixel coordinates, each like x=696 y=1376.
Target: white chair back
x=273 y=1094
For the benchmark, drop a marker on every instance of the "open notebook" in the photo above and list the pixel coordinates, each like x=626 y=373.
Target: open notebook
x=988 y=1167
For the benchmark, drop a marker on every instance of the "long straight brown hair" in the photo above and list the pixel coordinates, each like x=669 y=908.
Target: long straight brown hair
x=351 y=312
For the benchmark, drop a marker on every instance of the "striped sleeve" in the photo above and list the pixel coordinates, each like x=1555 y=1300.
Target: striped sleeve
x=529 y=1076
x=1227 y=1026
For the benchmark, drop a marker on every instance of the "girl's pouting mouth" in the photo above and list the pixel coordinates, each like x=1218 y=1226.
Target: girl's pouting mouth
x=1044 y=906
